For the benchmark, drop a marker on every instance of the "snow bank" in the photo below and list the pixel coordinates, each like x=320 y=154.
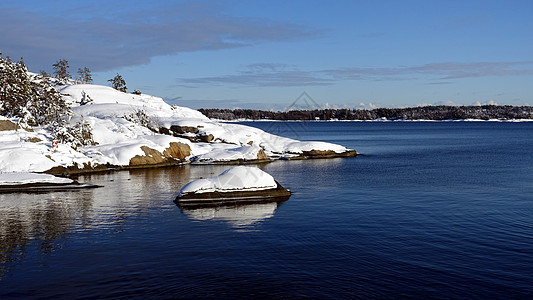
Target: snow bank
x=245 y=153
x=239 y=178
x=27 y=178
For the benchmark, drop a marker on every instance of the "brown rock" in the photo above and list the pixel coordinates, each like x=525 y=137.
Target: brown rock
x=164 y=130
x=184 y=129
x=76 y=169
x=174 y=153
x=177 y=151
x=261 y=155
x=328 y=154
x=206 y=138
x=8 y=125
x=150 y=157
x=34 y=140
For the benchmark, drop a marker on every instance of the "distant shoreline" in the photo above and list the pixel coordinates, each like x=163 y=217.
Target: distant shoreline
x=492 y=113
x=382 y=121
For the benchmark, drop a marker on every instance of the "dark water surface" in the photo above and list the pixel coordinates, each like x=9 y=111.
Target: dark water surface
x=442 y=210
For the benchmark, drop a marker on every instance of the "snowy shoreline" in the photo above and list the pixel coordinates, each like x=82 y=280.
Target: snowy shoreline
x=142 y=131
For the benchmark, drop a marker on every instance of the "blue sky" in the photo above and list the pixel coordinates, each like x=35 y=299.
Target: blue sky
x=264 y=54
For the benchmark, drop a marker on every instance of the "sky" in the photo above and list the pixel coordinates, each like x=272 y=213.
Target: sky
x=265 y=54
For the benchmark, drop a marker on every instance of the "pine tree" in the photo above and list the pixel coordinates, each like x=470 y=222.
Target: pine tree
x=118 y=83
x=85 y=76
x=61 y=71
x=31 y=98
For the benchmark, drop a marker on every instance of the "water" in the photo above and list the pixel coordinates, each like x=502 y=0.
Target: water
x=438 y=210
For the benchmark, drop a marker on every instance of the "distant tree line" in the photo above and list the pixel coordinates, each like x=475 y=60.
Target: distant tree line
x=438 y=113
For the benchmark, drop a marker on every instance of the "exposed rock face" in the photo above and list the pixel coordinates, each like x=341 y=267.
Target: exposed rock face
x=191 y=133
x=277 y=194
x=8 y=125
x=150 y=157
x=206 y=138
x=76 y=169
x=34 y=140
x=184 y=129
x=176 y=152
x=261 y=155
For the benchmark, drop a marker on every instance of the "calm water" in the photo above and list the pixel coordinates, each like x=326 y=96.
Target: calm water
x=439 y=210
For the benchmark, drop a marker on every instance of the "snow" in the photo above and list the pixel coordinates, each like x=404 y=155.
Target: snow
x=112 y=116
x=240 y=153
x=240 y=178
x=27 y=178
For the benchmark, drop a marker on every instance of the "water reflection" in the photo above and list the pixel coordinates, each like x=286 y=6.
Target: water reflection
x=237 y=216
x=44 y=222
x=41 y=218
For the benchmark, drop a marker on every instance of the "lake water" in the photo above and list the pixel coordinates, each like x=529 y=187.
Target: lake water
x=441 y=210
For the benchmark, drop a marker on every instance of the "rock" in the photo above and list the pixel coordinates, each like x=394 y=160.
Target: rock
x=6 y=125
x=240 y=184
x=175 y=153
x=206 y=138
x=184 y=129
x=327 y=154
x=196 y=200
x=261 y=155
x=164 y=130
x=76 y=169
x=150 y=157
x=33 y=140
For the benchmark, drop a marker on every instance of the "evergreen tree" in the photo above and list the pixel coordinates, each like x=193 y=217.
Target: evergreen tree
x=61 y=71
x=30 y=98
x=44 y=74
x=118 y=83
x=85 y=75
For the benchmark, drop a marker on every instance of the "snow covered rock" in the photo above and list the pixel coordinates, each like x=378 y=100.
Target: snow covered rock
x=235 y=184
x=32 y=182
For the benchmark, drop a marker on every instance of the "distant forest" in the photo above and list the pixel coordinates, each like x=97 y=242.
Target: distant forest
x=437 y=113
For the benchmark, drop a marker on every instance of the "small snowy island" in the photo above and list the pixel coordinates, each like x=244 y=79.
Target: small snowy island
x=240 y=183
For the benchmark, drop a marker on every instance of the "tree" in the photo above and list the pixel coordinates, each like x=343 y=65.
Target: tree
x=85 y=75
x=118 y=83
x=31 y=98
x=61 y=71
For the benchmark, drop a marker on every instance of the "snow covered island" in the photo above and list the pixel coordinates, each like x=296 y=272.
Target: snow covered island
x=239 y=183
x=132 y=131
